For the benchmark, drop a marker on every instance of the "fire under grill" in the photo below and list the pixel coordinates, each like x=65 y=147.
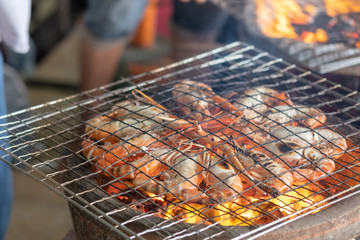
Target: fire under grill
x=180 y=152
x=323 y=35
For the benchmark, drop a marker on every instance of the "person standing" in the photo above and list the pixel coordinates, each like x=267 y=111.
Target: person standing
x=109 y=25
x=14 y=33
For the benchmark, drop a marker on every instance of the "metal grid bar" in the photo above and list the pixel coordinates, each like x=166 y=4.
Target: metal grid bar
x=46 y=139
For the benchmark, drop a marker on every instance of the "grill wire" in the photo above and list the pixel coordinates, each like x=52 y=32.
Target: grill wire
x=45 y=141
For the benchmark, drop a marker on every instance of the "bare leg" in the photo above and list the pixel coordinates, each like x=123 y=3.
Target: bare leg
x=99 y=63
x=108 y=25
x=186 y=44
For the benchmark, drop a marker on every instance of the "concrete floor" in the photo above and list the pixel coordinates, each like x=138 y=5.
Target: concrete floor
x=38 y=213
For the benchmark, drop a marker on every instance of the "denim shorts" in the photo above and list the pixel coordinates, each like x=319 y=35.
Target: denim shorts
x=118 y=19
x=200 y=18
x=113 y=19
x=5 y=170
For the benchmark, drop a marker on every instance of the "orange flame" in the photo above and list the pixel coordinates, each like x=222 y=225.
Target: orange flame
x=242 y=212
x=276 y=18
x=336 y=7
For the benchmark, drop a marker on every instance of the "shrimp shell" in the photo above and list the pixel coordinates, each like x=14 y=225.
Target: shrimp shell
x=307 y=151
x=192 y=102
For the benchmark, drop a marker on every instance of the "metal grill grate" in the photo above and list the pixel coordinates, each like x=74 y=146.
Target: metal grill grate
x=46 y=144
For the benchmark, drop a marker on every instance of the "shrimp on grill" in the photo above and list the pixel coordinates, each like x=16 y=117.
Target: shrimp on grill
x=317 y=166
x=110 y=130
x=166 y=172
x=178 y=175
x=258 y=168
x=308 y=151
x=223 y=184
x=223 y=126
x=263 y=171
x=127 y=119
x=267 y=170
x=197 y=100
x=149 y=165
x=330 y=143
x=117 y=153
x=255 y=101
x=191 y=99
x=292 y=115
x=137 y=110
x=109 y=152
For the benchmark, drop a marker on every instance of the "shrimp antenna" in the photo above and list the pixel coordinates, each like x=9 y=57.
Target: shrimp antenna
x=149 y=99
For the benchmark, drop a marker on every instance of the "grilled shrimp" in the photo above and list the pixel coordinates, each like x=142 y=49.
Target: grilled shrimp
x=136 y=110
x=318 y=166
x=166 y=172
x=109 y=152
x=261 y=169
x=223 y=184
x=266 y=170
x=309 y=150
x=191 y=99
x=179 y=175
x=109 y=130
x=148 y=164
x=255 y=101
x=198 y=100
x=127 y=119
x=288 y=114
x=257 y=168
x=325 y=140
x=117 y=153
x=330 y=142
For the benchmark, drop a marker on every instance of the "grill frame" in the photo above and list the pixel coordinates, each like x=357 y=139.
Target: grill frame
x=275 y=230
x=59 y=110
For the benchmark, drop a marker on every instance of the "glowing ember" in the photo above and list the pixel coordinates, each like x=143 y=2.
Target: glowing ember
x=333 y=21
x=278 y=24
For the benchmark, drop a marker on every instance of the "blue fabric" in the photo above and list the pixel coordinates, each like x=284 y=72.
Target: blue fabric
x=200 y=18
x=206 y=19
x=118 y=19
x=6 y=188
x=113 y=19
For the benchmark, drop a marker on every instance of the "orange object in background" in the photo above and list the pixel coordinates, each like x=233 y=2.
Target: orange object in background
x=146 y=33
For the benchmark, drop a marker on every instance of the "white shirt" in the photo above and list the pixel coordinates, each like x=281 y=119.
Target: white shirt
x=14 y=24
